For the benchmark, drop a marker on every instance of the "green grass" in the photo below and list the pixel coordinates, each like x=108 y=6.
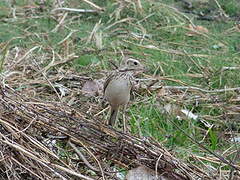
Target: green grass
x=165 y=29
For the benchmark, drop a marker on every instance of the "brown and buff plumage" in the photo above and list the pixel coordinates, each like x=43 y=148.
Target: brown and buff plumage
x=118 y=86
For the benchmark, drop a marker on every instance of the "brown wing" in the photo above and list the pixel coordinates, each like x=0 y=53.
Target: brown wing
x=132 y=82
x=109 y=78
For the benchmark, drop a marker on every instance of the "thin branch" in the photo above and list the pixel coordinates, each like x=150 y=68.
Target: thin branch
x=76 y=10
x=192 y=88
x=93 y=5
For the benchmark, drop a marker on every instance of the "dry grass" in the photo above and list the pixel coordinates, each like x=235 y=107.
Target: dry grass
x=30 y=129
x=48 y=138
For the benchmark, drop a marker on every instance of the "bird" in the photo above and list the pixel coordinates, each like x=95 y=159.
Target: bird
x=118 y=86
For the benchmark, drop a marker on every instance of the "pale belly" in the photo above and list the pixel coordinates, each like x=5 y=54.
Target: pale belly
x=118 y=92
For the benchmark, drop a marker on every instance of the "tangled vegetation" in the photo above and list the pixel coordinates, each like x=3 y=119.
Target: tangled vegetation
x=183 y=118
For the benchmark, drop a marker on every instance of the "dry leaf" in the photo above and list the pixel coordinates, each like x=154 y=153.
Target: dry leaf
x=63 y=90
x=195 y=75
x=90 y=88
x=144 y=173
x=196 y=30
x=141 y=173
x=161 y=92
x=171 y=108
x=99 y=40
x=238 y=27
x=235 y=139
x=189 y=114
x=218 y=46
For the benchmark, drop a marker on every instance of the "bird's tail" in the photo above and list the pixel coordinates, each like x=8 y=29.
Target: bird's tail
x=113 y=117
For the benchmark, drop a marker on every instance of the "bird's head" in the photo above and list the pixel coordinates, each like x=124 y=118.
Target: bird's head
x=131 y=64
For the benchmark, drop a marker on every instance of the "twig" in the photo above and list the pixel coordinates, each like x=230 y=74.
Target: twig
x=76 y=10
x=60 y=22
x=68 y=36
x=89 y=152
x=114 y=65
x=118 y=22
x=93 y=5
x=221 y=158
x=72 y=172
x=156 y=166
x=27 y=169
x=178 y=12
x=196 y=89
x=229 y=68
x=49 y=82
x=170 y=51
x=82 y=157
x=221 y=9
x=24 y=56
x=95 y=29
x=105 y=141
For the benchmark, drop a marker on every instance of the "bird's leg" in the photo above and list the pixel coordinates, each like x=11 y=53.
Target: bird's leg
x=113 y=116
x=125 y=130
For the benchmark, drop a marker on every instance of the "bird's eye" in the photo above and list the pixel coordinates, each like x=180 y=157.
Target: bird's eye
x=135 y=63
